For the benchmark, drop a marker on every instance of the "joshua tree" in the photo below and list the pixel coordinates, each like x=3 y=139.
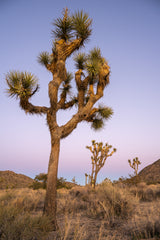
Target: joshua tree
x=86 y=176
x=100 y=153
x=74 y=180
x=71 y=32
x=89 y=179
x=135 y=164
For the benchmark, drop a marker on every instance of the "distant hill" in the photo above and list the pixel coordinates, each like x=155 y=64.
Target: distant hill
x=151 y=173
x=9 y=179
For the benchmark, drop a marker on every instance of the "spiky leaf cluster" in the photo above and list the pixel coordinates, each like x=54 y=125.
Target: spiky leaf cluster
x=80 y=61
x=81 y=25
x=66 y=84
x=103 y=113
x=44 y=58
x=21 y=84
x=77 y=25
x=63 y=27
x=94 y=62
x=97 y=124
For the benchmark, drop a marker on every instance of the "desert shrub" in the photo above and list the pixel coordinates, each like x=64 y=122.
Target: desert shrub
x=6 y=195
x=16 y=219
x=115 y=201
x=26 y=199
x=17 y=225
x=149 y=195
x=146 y=193
x=71 y=201
x=37 y=185
x=132 y=180
x=146 y=230
x=61 y=183
x=40 y=182
x=105 y=201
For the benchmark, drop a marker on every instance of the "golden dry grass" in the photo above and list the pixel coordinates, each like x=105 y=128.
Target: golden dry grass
x=110 y=212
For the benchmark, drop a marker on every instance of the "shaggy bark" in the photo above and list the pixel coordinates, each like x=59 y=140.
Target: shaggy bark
x=50 y=204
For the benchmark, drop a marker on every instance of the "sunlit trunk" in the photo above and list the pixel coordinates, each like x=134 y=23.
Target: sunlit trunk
x=50 y=205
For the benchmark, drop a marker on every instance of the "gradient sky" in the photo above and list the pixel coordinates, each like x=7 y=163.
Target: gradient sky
x=128 y=33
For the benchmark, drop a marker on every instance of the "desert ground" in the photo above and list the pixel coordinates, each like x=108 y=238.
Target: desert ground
x=108 y=212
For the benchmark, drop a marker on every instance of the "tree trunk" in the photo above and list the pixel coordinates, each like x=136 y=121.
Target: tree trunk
x=86 y=176
x=95 y=178
x=92 y=173
x=50 y=205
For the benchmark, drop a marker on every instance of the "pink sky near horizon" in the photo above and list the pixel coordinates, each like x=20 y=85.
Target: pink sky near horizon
x=129 y=39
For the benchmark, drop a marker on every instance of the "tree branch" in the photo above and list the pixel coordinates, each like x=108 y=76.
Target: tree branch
x=81 y=86
x=30 y=108
x=62 y=105
x=70 y=126
x=65 y=49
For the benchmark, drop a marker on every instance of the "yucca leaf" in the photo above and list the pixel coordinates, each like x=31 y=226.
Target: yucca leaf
x=21 y=84
x=66 y=84
x=63 y=27
x=97 y=124
x=95 y=54
x=82 y=25
x=94 y=62
x=44 y=58
x=80 y=61
x=105 y=112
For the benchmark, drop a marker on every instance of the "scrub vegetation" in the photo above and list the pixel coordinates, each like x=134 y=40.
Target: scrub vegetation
x=110 y=211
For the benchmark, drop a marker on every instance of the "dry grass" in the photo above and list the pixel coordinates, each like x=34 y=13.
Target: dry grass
x=110 y=212
x=147 y=193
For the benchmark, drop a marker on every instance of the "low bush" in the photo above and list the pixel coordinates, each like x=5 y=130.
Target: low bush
x=18 y=219
x=146 y=193
x=105 y=201
x=147 y=230
x=115 y=201
x=40 y=182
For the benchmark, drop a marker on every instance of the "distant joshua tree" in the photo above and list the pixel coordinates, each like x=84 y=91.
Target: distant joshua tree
x=100 y=153
x=86 y=177
x=71 y=32
x=74 y=180
x=135 y=164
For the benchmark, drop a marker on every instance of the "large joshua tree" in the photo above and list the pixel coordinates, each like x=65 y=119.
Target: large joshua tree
x=91 y=77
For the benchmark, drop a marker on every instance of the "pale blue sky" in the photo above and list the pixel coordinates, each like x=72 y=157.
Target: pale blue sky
x=128 y=33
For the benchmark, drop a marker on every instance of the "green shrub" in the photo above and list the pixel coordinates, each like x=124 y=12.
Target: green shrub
x=37 y=185
x=40 y=181
x=61 y=183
